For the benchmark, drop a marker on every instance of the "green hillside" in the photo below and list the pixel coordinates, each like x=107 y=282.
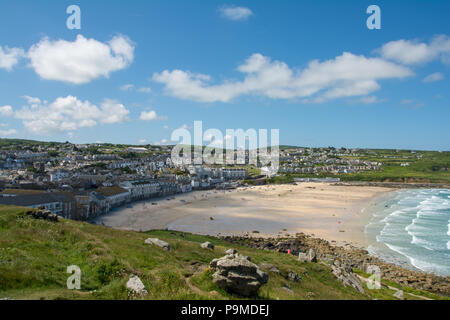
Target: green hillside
x=34 y=256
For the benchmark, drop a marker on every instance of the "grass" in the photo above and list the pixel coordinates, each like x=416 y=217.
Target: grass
x=35 y=254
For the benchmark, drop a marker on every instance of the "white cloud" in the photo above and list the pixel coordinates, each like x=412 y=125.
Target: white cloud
x=148 y=115
x=151 y=115
x=6 y=111
x=9 y=57
x=235 y=13
x=32 y=100
x=129 y=87
x=434 y=77
x=344 y=76
x=414 y=52
x=82 y=60
x=8 y=132
x=163 y=141
x=69 y=114
x=113 y=112
x=142 y=141
x=412 y=103
x=369 y=100
x=126 y=87
x=144 y=90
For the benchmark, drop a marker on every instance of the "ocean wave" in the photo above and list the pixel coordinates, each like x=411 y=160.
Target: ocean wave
x=423 y=243
x=415 y=224
x=429 y=267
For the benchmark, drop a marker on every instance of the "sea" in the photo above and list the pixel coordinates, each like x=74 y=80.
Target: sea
x=411 y=227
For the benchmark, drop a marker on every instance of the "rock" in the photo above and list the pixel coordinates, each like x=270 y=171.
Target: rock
x=345 y=275
x=294 y=277
x=136 y=287
x=312 y=256
x=43 y=214
x=395 y=271
x=303 y=257
x=270 y=267
x=399 y=295
x=287 y=288
x=308 y=257
x=207 y=245
x=237 y=274
x=158 y=243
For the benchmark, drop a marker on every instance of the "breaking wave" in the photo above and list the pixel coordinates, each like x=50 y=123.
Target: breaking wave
x=414 y=225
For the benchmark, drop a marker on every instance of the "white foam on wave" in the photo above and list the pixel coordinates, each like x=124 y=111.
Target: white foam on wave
x=413 y=223
x=418 y=263
x=399 y=250
x=423 y=243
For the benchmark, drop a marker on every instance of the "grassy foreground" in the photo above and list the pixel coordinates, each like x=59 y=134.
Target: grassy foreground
x=35 y=254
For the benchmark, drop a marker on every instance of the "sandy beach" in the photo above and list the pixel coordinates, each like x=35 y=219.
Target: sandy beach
x=334 y=213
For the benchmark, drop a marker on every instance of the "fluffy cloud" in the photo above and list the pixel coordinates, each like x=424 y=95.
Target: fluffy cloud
x=434 y=77
x=151 y=115
x=113 y=112
x=7 y=132
x=80 y=61
x=413 y=52
x=148 y=115
x=69 y=114
x=9 y=57
x=345 y=76
x=6 y=111
x=235 y=13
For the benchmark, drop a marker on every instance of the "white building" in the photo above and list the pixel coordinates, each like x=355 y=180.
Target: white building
x=58 y=175
x=141 y=189
x=234 y=173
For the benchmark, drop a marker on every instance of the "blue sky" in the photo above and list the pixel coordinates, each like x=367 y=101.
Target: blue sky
x=137 y=70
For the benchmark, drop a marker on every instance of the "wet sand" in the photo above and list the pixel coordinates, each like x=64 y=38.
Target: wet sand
x=334 y=213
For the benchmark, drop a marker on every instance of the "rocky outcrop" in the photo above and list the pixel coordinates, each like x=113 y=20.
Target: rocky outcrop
x=43 y=214
x=207 y=245
x=353 y=257
x=237 y=274
x=293 y=276
x=344 y=274
x=135 y=287
x=158 y=243
x=399 y=295
x=269 y=267
x=311 y=256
